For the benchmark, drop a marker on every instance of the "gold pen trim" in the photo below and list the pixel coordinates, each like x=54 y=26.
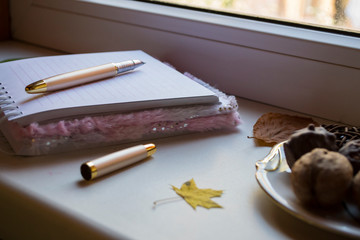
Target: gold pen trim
x=36 y=87
x=88 y=171
x=150 y=148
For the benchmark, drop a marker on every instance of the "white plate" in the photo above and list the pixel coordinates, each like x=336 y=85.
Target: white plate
x=273 y=176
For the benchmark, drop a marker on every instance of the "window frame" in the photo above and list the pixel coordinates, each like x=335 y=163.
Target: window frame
x=200 y=42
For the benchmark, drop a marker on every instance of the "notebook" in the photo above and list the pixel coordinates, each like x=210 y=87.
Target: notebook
x=153 y=85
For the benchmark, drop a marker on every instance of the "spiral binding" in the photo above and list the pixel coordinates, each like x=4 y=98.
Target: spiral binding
x=8 y=106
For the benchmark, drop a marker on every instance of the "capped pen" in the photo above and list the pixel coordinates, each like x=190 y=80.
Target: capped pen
x=82 y=76
x=114 y=161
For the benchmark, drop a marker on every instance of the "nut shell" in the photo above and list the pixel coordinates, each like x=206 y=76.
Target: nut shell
x=321 y=177
x=351 y=150
x=356 y=189
x=305 y=140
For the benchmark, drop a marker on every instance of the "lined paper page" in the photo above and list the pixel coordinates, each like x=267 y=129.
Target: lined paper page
x=152 y=85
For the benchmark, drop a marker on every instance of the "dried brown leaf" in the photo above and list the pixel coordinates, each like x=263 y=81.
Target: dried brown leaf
x=277 y=127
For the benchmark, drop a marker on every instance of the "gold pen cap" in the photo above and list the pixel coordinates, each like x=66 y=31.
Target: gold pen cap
x=36 y=87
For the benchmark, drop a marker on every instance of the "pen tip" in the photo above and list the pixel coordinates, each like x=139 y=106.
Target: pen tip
x=138 y=62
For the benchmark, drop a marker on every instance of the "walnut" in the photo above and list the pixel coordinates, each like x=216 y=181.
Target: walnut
x=321 y=177
x=351 y=150
x=305 y=140
x=356 y=189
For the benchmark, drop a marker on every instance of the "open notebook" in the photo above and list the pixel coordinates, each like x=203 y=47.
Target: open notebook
x=152 y=85
x=153 y=101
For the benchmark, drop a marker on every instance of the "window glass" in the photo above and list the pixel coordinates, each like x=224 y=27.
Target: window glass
x=341 y=15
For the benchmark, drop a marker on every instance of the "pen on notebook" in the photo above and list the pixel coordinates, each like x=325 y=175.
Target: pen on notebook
x=114 y=161
x=82 y=76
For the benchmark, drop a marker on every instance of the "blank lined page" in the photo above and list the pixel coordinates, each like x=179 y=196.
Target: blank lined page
x=149 y=86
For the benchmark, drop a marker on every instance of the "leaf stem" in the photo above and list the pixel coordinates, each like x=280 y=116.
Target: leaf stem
x=166 y=200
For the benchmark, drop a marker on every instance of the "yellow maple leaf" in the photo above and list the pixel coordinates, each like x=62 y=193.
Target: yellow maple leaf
x=198 y=197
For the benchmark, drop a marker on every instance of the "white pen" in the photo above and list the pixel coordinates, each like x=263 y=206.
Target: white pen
x=82 y=76
x=114 y=161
